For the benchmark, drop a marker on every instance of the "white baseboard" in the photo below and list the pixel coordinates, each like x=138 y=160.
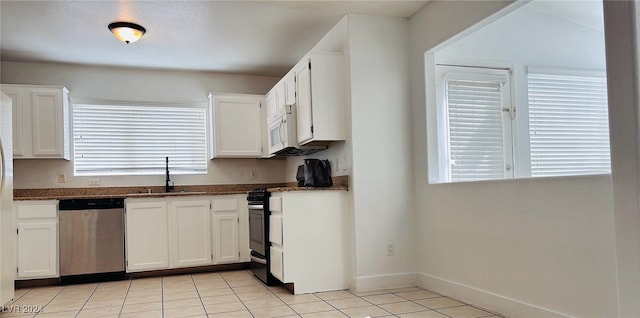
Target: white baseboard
x=364 y=283
x=481 y=298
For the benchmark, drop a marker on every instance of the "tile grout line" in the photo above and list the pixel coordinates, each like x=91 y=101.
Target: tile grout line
x=236 y=294
x=199 y=296
x=125 y=297
x=162 y=296
x=52 y=298
x=85 y=302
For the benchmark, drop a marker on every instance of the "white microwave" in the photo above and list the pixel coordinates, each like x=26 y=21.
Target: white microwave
x=283 y=140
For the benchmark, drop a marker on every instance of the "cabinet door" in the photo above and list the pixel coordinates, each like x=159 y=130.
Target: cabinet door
x=225 y=231
x=37 y=250
x=191 y=233
x=282 y=96
x=305 y=116
x=47 y=120
x=289 y=82
x=277 y=263
x=275 y=228
x=271 y=100
x=147 y=236
x=237 y=126
x=226 y=238
x=17 y=99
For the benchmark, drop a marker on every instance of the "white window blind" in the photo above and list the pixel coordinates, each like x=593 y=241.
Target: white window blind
x=479 y=142
x=568 y=124
x=134 y=140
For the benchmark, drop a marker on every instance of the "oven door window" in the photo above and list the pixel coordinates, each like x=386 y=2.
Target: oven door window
x=257 y=235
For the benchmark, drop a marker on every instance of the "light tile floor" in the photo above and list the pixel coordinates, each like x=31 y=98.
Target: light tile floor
x=227 y=294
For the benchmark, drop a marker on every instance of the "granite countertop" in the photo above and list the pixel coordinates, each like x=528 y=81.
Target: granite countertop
x=133 y=192
x=296 y=188
x=340 y=183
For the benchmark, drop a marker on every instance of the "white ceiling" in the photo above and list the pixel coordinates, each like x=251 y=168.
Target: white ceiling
x=246 y=37
x=586 y=13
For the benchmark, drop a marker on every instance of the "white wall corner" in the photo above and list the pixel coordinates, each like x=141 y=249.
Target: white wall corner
x=375 y=282
x=622 y=36
x=485 y=299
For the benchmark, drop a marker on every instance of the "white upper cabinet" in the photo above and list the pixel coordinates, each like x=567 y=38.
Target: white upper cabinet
x=237 y=125
x=40 y=121
x=321 y=99
x=272 y=102
x=289 y=83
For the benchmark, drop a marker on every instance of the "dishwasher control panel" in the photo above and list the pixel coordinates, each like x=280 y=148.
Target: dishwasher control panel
x=91 y=204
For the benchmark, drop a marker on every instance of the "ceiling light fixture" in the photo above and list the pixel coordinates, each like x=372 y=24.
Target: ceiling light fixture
x=127 y=32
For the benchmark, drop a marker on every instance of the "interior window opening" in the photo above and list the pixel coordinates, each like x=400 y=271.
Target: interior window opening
x=523 y=96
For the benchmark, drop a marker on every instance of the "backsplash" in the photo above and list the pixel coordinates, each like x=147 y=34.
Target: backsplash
x=337 y=155
x=37 y=174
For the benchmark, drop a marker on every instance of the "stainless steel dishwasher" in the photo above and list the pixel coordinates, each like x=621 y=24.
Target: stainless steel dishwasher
x=91 y=236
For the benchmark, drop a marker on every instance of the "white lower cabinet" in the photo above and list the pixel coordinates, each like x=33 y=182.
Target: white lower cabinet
x=308 y=233
x=190 y=232
x=166 y=233
x=37 y=243
x=277 y=270
x=227 y=227
x=226 y=238
x=147 y=235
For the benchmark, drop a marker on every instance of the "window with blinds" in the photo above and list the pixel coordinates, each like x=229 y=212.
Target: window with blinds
x=478 y=127
x=135 y=139
x=568 y=124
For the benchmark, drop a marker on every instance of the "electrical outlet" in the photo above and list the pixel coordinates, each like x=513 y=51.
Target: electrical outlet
x=62 y=177
x=391 y=249
x=253 y=174
x=94 y=182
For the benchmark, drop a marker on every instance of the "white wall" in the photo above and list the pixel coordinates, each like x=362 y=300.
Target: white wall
x=381 y=152
x=139 y=85
x=525 y=248
x=622 y=24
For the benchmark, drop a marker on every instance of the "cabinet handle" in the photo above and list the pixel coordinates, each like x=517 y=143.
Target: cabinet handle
x=259 y=260
x=280 y=129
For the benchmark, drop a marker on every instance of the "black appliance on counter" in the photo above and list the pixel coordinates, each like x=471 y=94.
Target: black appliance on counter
x=258 y=203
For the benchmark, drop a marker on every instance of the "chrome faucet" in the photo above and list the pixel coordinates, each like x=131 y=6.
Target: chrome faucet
x=168 y=187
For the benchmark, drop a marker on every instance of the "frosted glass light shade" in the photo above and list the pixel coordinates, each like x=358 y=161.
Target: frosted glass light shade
x=127 y=32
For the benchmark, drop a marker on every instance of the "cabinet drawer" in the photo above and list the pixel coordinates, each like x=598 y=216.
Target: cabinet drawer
x=275 y=204
x=275 y=229
x=222 y=205
x=37 y=211
x=277 y=263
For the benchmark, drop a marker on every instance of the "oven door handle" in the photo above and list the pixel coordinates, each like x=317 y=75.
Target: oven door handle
x=255 y=207
x=258 y=260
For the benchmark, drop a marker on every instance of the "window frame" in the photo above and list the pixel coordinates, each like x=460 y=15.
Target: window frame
x=446 y=72
x=520 y=128
x=553 y=71
x=176 y=105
